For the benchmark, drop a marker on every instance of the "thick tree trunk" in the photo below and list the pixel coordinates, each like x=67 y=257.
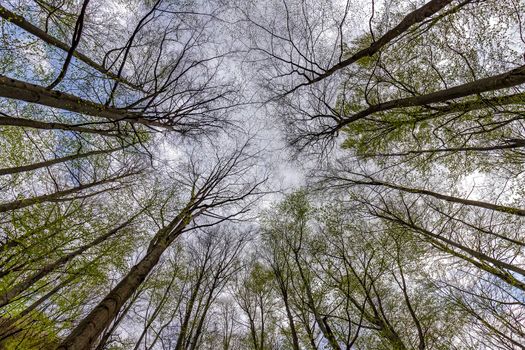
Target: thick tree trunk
x=121 y=315
x=24 y=91
x=497 y=82
x=84 y=335
x=89 y=329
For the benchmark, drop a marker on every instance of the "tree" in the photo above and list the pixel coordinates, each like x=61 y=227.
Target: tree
x=223 y=186
x=77 y=158
x=139 y=141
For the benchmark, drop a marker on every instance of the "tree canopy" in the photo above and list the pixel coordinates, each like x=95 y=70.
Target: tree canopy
x=265 y=175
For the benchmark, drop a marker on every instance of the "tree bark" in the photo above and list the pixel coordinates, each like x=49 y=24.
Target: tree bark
x=35 y=124
x=22 y=23
x=35 y=166
x=278 y=273
x=409 y=20
x=90 y=328
x=181 y=339
x=506 y=80
x=330 y=337
x=7 y=296
x=101 y=345
x=451 y=199
x=7 y=326
x=295 y=338
x=442 y=243
x=24 y=91
x=22 y=203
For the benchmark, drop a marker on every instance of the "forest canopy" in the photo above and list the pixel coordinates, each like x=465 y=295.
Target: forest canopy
x=264 y=175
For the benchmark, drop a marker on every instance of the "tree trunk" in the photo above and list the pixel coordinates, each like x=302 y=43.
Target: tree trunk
x=21 y=22
x=90 y=328
x=451 y=199
x=35 y=166
x=6 y=297
x=189 y=308
x=326 y=333
x=501 y=81
x=295 y=338
x=409 y=20
x=22 y=203
x=35 y=124
x=7 y=326
x=23 y=91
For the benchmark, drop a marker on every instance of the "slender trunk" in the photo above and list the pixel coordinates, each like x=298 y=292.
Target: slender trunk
x=496 y=330
x=403 y=285
x=9 y=325
x=263 y=330
x=283 y=287
x=497 y=272
x=253 y=332
x=391 y=335
x=293 y=331
x=379 y=318
x=409 y=20
x=156 y=312
x=310 y=333
x=7 y=296
x=18 y=267
x=166 y=324
x=508 y=145
x=21 y=22
x=373 y=316
x=476 y=254
x=35 y=124
x=50 y=162
x=77 y=34
x=55 y=196
x=311 y=302
x=480 y=204
x=181 y=340
x=128 y=46
x=442 y=242
x=202 y=318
